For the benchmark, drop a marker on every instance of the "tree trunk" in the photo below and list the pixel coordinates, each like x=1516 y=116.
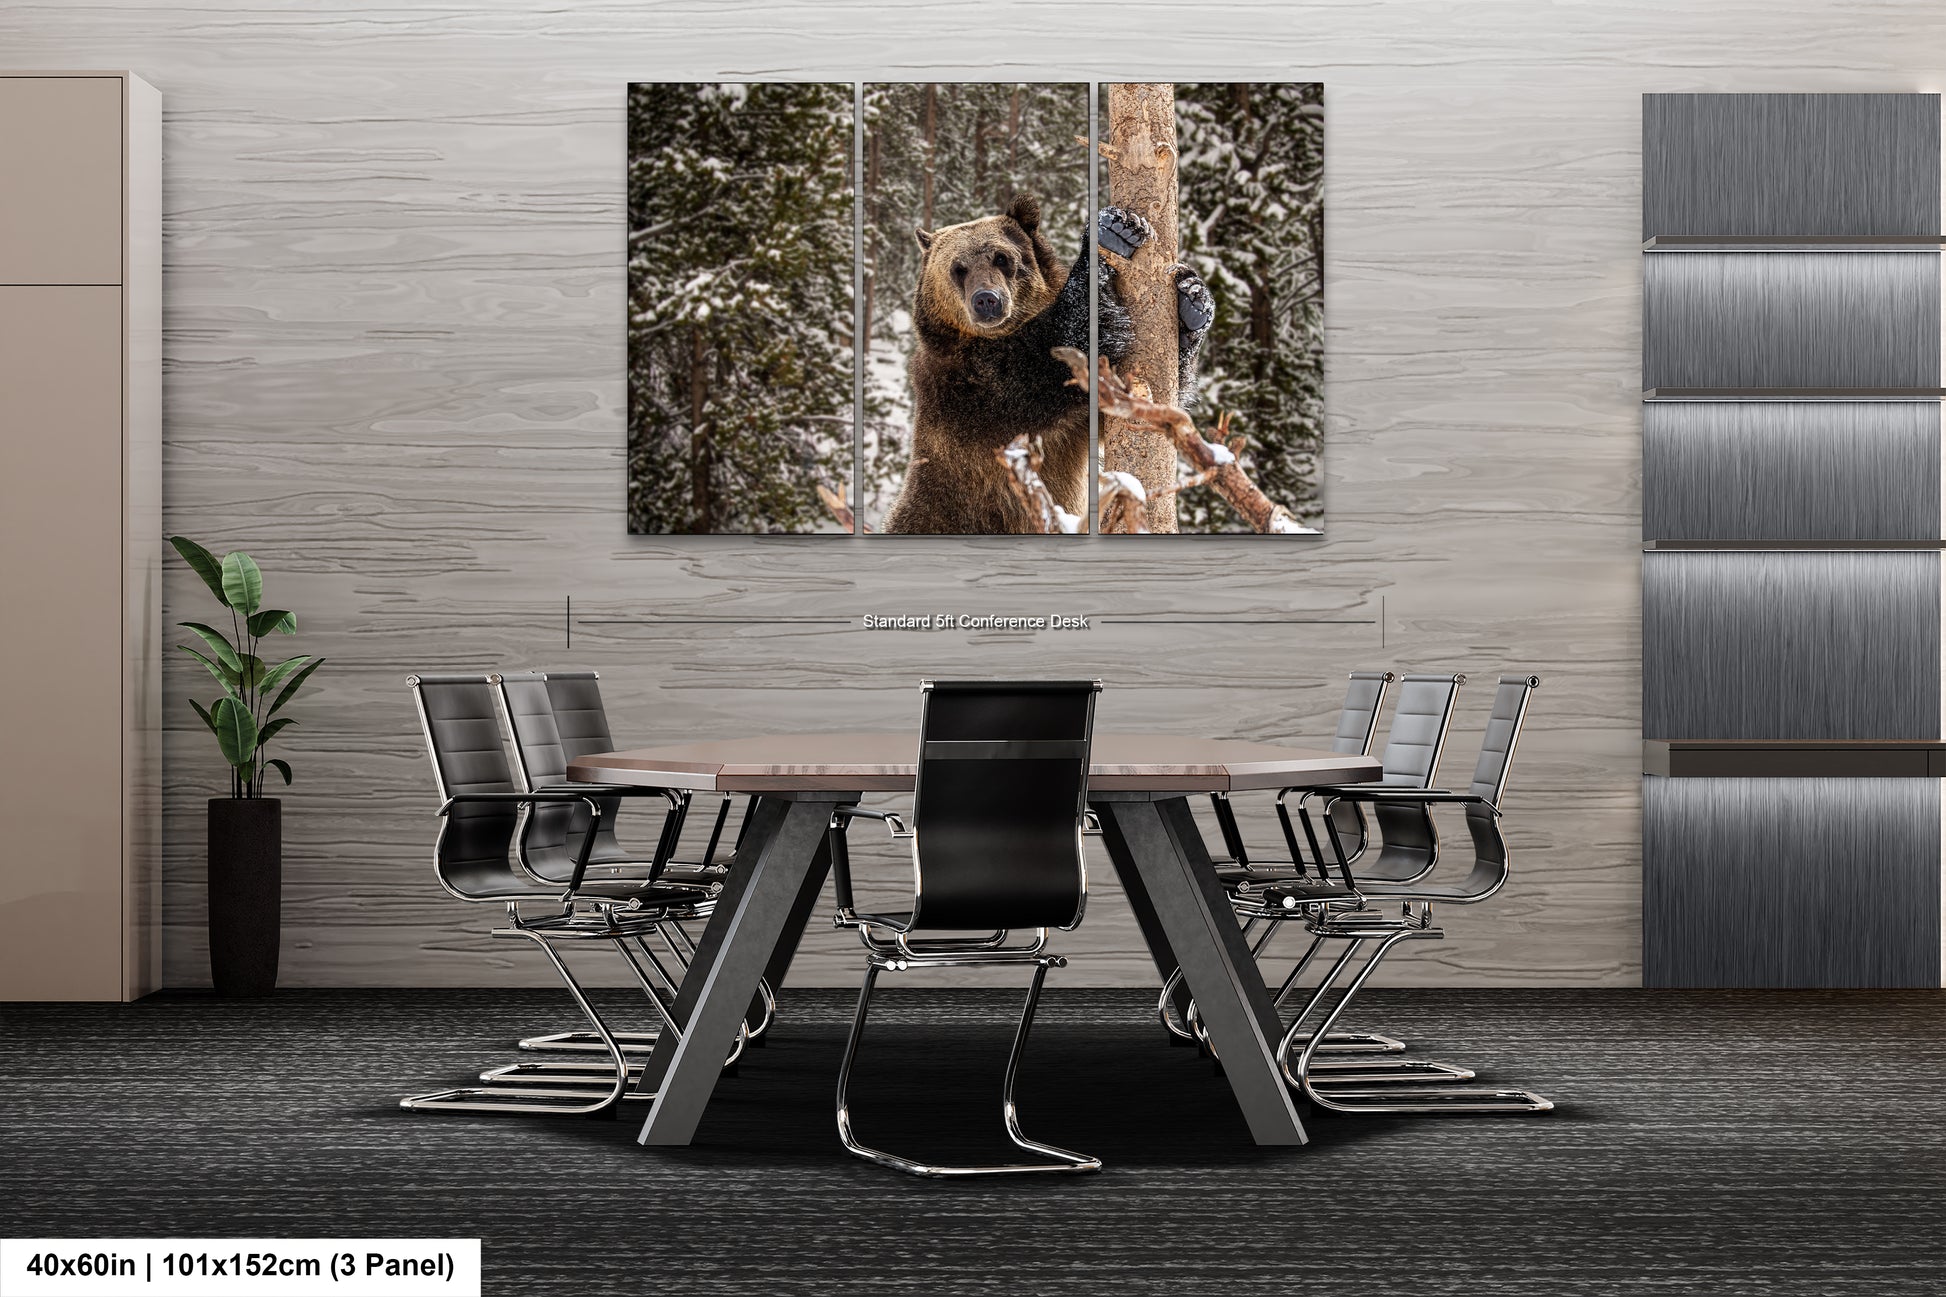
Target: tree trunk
x=1013 y=140
x=871 y=210
x=980 y=155
x=700 y=503
x=932 y=124
x=1141 y=157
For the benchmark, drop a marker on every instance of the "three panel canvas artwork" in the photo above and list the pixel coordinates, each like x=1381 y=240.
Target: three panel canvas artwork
x=975 y=308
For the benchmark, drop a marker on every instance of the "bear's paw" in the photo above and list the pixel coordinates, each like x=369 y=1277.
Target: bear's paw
x=1121 y=231
x=1195 y=308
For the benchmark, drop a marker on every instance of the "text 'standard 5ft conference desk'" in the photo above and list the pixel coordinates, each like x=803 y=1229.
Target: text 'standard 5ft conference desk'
x=1139 y=784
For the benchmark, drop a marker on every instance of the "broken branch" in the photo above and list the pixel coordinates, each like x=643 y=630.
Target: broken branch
x=1212 y=462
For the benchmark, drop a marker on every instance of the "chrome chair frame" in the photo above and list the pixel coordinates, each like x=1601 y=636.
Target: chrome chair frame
x=620 y=912
x=609 y=919
x=535 y=730
x=1358 y=926
x=1357 y=726
x=892 y=942
x=1061 y=1159
x=1415 y=746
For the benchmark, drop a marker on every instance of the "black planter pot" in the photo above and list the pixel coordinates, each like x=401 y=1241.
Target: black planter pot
x=246 y=885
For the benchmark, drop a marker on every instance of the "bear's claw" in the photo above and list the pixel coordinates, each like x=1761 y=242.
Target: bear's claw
x=1121 y=231
x=1195 y=308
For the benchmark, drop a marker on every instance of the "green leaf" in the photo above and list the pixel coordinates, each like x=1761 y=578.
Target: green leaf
x=269 y=731
x=205 y=564
x=224 y=676
x=236 y=731
x=291 y=688
x=283 y=768
x=243 y=584
x=203 y=712
x=218 y=642
x=252 y=672
x=273 y=619
x=270 y=678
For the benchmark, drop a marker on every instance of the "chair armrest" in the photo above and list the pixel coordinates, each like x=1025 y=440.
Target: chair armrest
x=1421 y=796
x=559 y=795
x=670 y=795
x=845 y=814
x=552 y=796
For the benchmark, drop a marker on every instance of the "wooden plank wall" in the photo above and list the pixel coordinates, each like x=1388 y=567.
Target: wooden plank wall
x=394 y=341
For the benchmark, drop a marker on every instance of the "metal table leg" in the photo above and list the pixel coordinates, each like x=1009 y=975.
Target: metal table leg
x=1159 y=854
x=757 y=904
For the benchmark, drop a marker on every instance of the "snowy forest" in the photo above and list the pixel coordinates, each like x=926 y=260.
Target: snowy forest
x=1251 y=203
x=740 y=261
x=938 y=154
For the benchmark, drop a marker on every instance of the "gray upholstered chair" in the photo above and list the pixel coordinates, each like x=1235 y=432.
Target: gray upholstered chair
x=1413 y=747
x=555 y=717
x=1354 y=921
x=1357 y=724
x=481 y=812
x=998 y=813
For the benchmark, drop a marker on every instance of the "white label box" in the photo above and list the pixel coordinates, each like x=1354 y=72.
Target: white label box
x=245 y=1267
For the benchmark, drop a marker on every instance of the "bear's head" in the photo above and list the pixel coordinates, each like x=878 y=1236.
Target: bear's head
x=986 y=278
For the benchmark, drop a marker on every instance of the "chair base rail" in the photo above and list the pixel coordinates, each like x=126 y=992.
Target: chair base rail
x=517 y=1102
x=1061 y=1160
x=1384 y=1071
x=1314 y=1080
x=1359 y=1042
x=556 y=1074
x=587 y=1042
x=1429 y=1100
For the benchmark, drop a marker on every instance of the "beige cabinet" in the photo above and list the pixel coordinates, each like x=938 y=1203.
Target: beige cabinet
x=81 y=535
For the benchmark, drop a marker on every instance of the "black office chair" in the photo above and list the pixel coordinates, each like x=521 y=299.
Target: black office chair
x=554 y=718
x=998 y=812
x=1357 y=723
x=1408 y=837
x=1408 y=847
x=1357 y=925
x=475 y=860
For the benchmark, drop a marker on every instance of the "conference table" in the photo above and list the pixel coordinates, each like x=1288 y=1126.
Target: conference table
x=1138 y=784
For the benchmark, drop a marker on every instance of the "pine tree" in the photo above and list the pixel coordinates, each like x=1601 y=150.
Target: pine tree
x=1252 y=218
x=740 y=305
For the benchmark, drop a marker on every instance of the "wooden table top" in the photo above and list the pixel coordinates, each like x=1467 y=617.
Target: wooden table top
x=1154 y=763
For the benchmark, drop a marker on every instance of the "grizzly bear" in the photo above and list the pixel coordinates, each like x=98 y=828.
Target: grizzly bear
x=991 y=306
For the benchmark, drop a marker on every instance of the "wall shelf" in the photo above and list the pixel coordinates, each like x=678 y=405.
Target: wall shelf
x=1794 y=758
x=1794 y=394
x=1841 y=546
x=1795 y=243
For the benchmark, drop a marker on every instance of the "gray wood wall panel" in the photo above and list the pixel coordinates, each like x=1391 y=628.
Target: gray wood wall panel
x=1790 y=645
x=1738 y=319
x=1791 y=882
x=394 y=346
x=1790 y=164
x=1790 y=471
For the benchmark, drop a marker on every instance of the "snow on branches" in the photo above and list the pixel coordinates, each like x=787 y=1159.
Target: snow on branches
x=1214 y=463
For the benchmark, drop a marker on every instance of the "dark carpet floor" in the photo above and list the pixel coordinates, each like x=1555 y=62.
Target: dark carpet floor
x=1708 y=1143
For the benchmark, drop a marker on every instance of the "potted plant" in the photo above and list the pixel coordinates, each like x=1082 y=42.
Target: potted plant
x=246 y=848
